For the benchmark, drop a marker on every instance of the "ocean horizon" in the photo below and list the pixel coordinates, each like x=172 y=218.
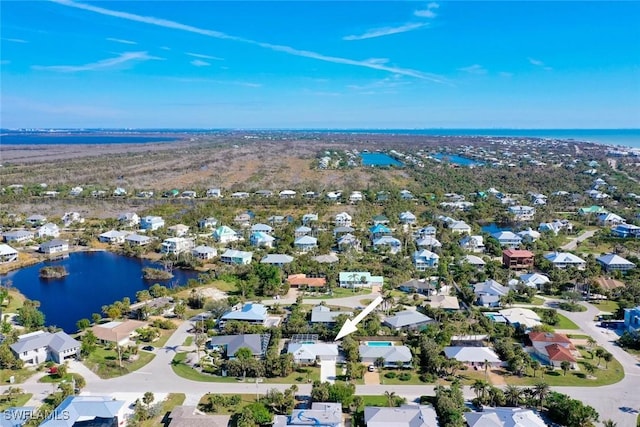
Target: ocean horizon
x=616 y=137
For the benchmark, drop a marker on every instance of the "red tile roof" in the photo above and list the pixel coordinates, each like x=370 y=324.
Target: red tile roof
x=303 y=280
x=549 y=337
x=558 y=353
x=518 y=253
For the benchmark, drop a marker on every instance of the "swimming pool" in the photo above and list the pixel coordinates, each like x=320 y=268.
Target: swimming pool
x=379 y=344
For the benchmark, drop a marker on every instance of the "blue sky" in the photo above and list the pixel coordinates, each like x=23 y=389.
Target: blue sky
x=315 y=64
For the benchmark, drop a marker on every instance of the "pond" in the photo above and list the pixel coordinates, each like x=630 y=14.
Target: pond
x=95 y=279
x=494 y=228
x=457 y=160
x=379 y=159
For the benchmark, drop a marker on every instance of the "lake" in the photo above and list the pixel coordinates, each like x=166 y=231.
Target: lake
x=379 y=159
x=95 y=279
x=494 y=228
x=457 y=160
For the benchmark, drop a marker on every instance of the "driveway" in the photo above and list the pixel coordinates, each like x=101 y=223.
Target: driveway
x=328 y=371
x=581 y=238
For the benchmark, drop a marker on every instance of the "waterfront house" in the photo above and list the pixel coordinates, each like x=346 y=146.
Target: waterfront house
x=128 y=219
x=390 y=242
x=232 y=256
x=323 y=314
x=404 y=416
x=224 y=234
x=358 y=279
x=208 y=223
x=279 y=260
x=393 y=355
x=19 y=236
x=117 y=332
x=504 y=417
x=517 y=259
x=48 y=230
x=36 y=219
x=151 y=223
x=473 y=355
x=566 y=259
x=178 y=230
x=529 y=235
x=302 y=281
x=407 y=319
x=54 y=246
x=626 y=230
x=40 y=346
x=214 y=192
x=613 y=262
x=343 y=219
x=176 y=245
x=522 y=213
x=261 y=239
x=137 y=240
x=311 y=352
x=7 y=254
x=459 y=227
x=424 y=260
x=508 y=239
x=230 y=344
x=472 y=243
x=253 y=313
x=261 y=228
x=321 y=414
x=305 y=243
x=521 y=317
x=87 y=411
x=112 y=237
x=348 y=242
x=407 y=218
x=488 y=293
x=632 y=319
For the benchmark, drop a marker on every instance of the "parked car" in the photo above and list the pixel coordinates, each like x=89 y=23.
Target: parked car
x=371 y=368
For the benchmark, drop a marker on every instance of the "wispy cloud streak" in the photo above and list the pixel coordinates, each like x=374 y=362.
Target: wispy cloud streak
x=202 y=56
x=428 y=12
x=122 y=41
x=15 y=40
x=278 y=48
x=539 y=63
x=474 y=69
x=386 y=31
x=199 y=63
x=119 y=60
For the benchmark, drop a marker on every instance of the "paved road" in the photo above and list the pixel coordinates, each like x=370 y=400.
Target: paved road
x=581 y=238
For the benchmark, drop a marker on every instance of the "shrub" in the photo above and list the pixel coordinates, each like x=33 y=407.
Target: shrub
x=390 y=375
x=404 y=376
x=427 y=378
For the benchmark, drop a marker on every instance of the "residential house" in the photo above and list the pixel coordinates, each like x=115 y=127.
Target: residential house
x=326 y=259
x=214 y=192
x=87 y=411
x=632 y=319
x=390 y=242
x=54 y=246
x=428 y=242
x=261 y=239
x=472 y=243
x=626 y=230
x=191 y=416
x=553 y=348
x=305 y=243
x=321 y=414
x=488 y=293
x=333 y=196
x=128 y=219
x=444 y=302
x=303 y=230
x=279 y=260
x=261 y=228
x=566 y=259
x=232 y=256
x=348 y=242
x=358 y=279
x=504 y=417
x=420 y=286
x=309 y=353
x=189 y=194
x=19 y=236
x=302 y=281
x=478 y=340
x=178 y=230
x=240 y=195
x=253 y=313
x=309 y=218
x=287 y=194
x=243 y=219
x=406 y=195
x=613 y=262
x=517 y=259
x=473 y=260
x=610 y=219
x=380 y=219
x=393 y=355
x=76 y=191
x=407 y=319
x=7 y=254
x=382 y=196
x=224 y=234
x=534 y=280
x=230 y=344
x=428 y=231
x=119 y=192
x=40 y=346
x=36 y=219
x=404 y=416
x=555 y=226
x=424 y=260
x=592 y=210
x=379 y=230
x=521 y=317
x=121 y=333
x=113 y=237
x=355 y=197
x=522 y=213
x=152 y=223
x=459 y=227
x=407 y=218
x=529 y=235
x=338 y=231
x=137 y=240
x=204 y=253
x=48 y=230
x=208 y=223
x=145 y=194
x=508 y=239
x=70 y=217
x=343 y=219
x=323 y=314
x=473 y=356
x=311 y=195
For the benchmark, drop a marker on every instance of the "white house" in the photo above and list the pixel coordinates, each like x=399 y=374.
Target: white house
x=407 y=218
x=70 y=217
x=459 y=227
x=508 y=239
x=529 y=235
x=7 y=254
x=358 y=279
x=473 y=356
x=54 y=246
x=356 y=197
x=176 y=245
x=262 y=239
x=204 y=252
x=613 y=262
x=287 y=194
x=224 y=234
x=178 y=230
x=424 y=260
x=522 y=213
x=390 y=242
x=305 y=243
x=609 y=219
x=209 y=222
x=128 y=219
x=214 y=192
x=48 y=230
x=137 y=240
x=40 y=346
x=231 y=256
x=36 y=219
x=19 y=236
x=76 y=191
x=119 y=192
x=488 y=293
x=262 y=228
x=473 y=243
x=151 y=222
x=112 y=237
x=343 y=219
x=308 y=353
x=565 y=259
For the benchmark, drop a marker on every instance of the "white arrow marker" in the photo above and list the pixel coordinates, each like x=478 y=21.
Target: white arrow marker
x=350 y=326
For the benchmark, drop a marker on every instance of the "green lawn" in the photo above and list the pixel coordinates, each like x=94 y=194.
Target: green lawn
x=606 y=306
x=339 y=293
x=188 y=341
x=19 y=375
x=245 y=399
x=48 y=379
x=17 y=400
x=172 y=400
x=105 y=363
x=312 y=375
x=578 y=336
x=375 y=400
x=563 y=322
x=415 y=377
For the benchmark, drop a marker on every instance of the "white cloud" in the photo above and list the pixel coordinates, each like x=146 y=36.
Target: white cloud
x=199 y=63
x=428 y=12
x=201 y=56
x=123 y=41
x=474 y=69
x=386 y=31
x=433 y=5
x=165 y=23
x=120 y=60
x=215 y=81
x=15 y=40
x=539 y=63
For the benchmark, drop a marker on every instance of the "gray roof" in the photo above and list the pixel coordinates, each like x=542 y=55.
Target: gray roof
x=407 y=318
x=504 y=417
x=471 y=354
x=391 y=354
x=190 y=416
x=404 y=416
x=82 y=408
x=255 y=342
x=137 y=238
x=18 y=233
x=329 y=259
x=52 y=244
x=322 y=314
x=58 y=342
x=320 y=414
x=277 y=259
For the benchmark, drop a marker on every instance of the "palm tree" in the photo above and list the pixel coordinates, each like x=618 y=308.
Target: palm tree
x=608 y=357
x=589 y=368
x=541 y=390
x=609 y=423
x=391 y=398
x=591 y=342
x=480 y=387
x=513 y=395
x=600 y=354
x=535 y=365
x=565 y=366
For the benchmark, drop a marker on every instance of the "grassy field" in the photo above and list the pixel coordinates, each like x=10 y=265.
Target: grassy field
x=375 y=400
x=245 y=399
x=415 y=377
x=188 y=341
x=172 y=400
x=19 y=376
x=17 y=400
x=340 y=293
x=606 y=306
x=48 y=379
x=563 y=322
